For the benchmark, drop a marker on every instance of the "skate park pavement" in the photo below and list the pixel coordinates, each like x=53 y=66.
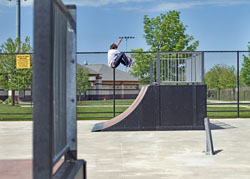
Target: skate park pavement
x=140 y=154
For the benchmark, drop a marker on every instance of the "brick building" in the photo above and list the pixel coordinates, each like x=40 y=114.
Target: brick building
x=101 y=79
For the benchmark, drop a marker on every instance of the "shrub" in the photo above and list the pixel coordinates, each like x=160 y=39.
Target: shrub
x=7 y=101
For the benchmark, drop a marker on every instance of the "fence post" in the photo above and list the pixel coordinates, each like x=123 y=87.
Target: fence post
x=202 y=68
x=151 y=71
x=238 y=85
x=113 y=92
x=176 y=68
x=158 y=71
x=209 y=140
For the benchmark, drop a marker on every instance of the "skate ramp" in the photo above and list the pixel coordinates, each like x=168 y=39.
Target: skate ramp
x=163 y=107
x=129 y=119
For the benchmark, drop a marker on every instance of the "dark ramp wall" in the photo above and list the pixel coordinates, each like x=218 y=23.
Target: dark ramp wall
x=165 y=107
x=182 y=107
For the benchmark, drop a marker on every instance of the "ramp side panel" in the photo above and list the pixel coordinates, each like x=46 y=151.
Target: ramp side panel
x=142 y=115
x=201 y=104
x=127 y=111
x=106 y=126
x=175 y=106
x=151 y=109
x=182 y=107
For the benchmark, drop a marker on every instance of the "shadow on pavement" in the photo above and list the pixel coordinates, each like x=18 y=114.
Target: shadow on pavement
x=215 y=125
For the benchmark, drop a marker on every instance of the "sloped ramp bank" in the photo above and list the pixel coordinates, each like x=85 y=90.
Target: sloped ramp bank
x=164 y=107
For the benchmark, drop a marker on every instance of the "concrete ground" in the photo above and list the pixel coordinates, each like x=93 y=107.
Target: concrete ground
x=140 y=155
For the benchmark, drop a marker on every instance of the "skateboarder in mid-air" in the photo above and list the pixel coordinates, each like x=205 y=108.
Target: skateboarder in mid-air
x=115 y=57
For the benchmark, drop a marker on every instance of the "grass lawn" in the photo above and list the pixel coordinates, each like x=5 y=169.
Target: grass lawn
x=90 y=110
x=227 y=112
x=106 y=102
x=93 y=110
x=98 y=110
x=9 y=113
x=99 y=113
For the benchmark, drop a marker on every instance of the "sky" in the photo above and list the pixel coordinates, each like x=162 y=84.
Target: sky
x=217 y=24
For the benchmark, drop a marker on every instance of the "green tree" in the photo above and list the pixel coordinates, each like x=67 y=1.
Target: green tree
x=163 y=33
x=167 y=33
x=245 y=70
x=142 y=67
x=221 y=77
x=10 y=77
x=82 y=81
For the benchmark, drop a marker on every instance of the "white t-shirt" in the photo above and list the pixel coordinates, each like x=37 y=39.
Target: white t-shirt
x=112 y=54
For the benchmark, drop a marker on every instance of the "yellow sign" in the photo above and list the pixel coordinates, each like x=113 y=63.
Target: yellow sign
x=22 y=61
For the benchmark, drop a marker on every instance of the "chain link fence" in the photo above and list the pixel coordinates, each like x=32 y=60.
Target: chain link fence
x=227 y=95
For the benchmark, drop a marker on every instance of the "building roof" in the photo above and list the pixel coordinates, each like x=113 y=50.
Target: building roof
x=107 y=73
x=91 y=71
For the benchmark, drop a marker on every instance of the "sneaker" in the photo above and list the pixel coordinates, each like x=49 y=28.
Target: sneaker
x=113 y=64
x=131 y=63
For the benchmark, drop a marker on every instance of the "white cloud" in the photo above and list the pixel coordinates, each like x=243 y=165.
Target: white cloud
x=163 y=6
x=156 y=5
x=131 y=8
x=6 y=3
x=27 y=3
x=88 y=3
x=174 y=6
x=231 y=2
x=98 y=3
x=170 y=5
x=13 y=2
